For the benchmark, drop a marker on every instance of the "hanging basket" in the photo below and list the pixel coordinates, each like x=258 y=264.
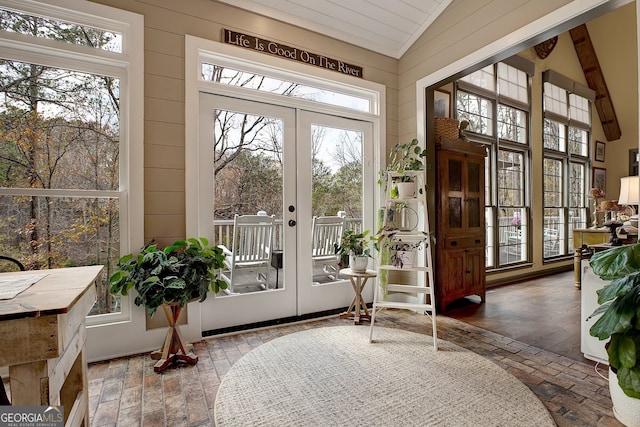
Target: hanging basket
x=447 y=127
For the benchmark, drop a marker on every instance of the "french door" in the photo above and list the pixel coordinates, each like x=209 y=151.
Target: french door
x=292 y=164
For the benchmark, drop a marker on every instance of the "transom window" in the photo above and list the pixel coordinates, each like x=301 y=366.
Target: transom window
x=287 y=87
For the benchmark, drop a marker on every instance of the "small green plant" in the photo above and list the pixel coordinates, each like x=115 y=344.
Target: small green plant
x=620 y=309
x=353 y=243
x=408 y=156
x=179 y=273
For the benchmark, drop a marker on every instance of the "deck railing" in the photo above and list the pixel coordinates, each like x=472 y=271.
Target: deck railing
x=223 y=230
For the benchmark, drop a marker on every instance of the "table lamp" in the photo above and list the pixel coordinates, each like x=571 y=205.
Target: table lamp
x=630 y=196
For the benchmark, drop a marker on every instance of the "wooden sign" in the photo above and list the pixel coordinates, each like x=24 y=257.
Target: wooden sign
x=283 y=51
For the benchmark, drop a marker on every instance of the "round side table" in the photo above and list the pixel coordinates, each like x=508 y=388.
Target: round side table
x=358 y=282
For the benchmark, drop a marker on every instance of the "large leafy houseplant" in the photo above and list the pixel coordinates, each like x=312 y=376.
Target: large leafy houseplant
x=179 y=273
x=620 y=309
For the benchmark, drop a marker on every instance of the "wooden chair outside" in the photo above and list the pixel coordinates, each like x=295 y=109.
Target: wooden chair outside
x=326 y=231
x=250 y=252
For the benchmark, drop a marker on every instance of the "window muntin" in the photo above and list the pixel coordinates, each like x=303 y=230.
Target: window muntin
x=59 y=30
x=253 y=81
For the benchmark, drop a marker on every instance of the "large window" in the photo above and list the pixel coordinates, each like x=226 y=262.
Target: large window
x=64 y=188
x=496 y=102
x=566 y=140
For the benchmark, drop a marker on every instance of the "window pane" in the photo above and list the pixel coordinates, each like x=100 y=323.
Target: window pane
x=578 y=141
x=513 y=235
x=577 y=188
x=555 y=99
x=552 y=236
x=552 y=180
x=483 y=78
x=247 y=148
x=54 y=232
x=513 y=83
x=477 y=111
x=53 y=29
x=60 y=129
x=231 y=77
x=512 y=124
x=554 y=135
x=577 y=219
x=510 y=178
x=489 y=219
x=579 y=109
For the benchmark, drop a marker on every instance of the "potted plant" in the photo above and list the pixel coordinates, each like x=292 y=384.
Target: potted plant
x=402 y=249
x=620 y=323
x=170 y=278
x=176 y=274
x=404 y=157
x=356 y=247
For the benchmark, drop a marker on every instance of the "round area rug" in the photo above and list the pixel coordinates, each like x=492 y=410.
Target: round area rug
x=333 y=376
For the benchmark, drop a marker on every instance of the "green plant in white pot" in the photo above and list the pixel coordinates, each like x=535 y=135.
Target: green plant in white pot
x=356 y=247
x=404 y=157
x=620 y=323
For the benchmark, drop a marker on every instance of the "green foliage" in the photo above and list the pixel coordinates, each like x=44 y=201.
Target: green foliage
x=179 y=273
x=353 y=243
x=620 y=309
x=407 y=156
x=403 y=157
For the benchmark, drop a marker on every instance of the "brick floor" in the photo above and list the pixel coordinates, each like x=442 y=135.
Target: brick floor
x=127 y=392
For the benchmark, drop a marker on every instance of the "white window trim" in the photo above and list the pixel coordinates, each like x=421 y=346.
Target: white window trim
x=128 y=66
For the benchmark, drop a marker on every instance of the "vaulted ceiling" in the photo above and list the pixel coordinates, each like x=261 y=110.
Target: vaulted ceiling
x=383 y=26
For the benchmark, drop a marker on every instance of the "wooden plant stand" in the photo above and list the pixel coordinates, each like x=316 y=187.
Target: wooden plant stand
x=174 y=350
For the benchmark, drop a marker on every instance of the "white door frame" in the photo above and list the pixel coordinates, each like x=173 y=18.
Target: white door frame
x=198 y=209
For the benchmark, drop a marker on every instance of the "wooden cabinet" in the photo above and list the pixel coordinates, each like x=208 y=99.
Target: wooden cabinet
x=461 y=233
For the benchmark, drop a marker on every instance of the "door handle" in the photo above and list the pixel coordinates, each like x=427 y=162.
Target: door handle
x=292 y=223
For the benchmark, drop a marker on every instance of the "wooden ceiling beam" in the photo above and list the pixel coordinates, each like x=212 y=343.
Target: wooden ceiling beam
x=595 y=80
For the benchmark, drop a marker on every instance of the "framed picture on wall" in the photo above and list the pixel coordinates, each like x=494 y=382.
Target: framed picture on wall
x=599 y=178
x=441 y=103
x=599 y=155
